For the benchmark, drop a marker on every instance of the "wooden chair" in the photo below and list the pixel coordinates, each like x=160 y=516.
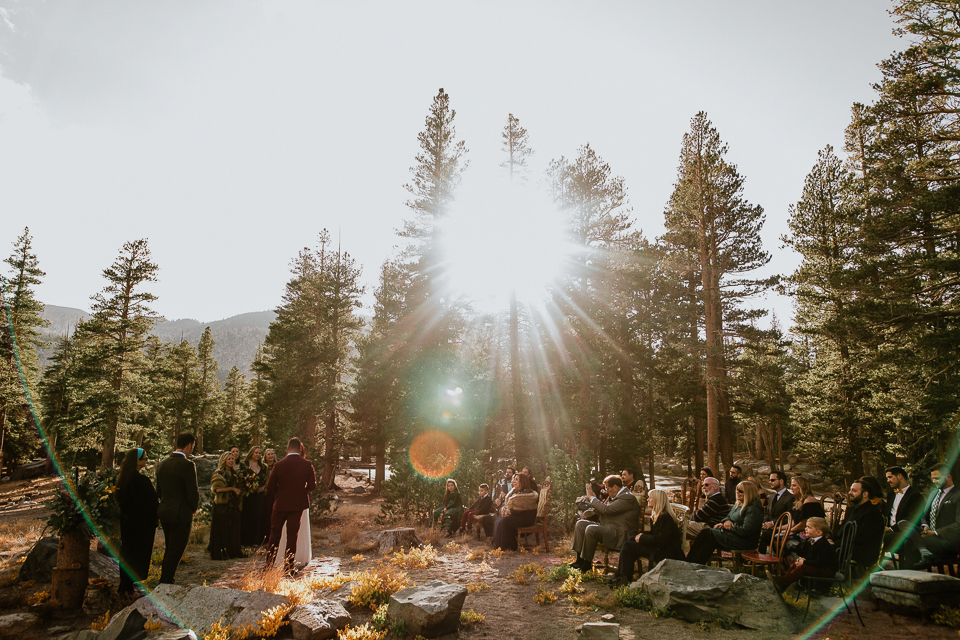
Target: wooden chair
x=690 y=492
x=833 y=508
x=543 y=515
x=777 y=545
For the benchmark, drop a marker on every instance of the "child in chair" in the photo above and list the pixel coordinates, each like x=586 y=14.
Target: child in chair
x=481 y=507
x=818 y=556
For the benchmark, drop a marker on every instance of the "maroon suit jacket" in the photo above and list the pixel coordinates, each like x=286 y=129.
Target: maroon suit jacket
x=291 y=479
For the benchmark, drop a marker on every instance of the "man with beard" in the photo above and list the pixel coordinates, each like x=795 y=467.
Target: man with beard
x=940 y=537
x=862 y=508
x=903 y=506
x=733 y=479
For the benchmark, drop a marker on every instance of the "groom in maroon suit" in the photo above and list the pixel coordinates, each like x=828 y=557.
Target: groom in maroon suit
x=291 y=480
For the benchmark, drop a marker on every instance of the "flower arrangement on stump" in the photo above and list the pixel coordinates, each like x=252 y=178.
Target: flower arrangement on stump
x=82 y=506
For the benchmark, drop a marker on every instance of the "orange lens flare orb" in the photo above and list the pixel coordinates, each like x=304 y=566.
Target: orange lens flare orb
x=434 y=454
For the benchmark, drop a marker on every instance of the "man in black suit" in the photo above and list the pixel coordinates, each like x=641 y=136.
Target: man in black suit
x=904 y=505
x=777 y=504
x=861 y=508
x=179 y=497
x=940 y=539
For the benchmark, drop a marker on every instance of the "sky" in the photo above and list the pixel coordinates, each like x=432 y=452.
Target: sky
x=230 y=133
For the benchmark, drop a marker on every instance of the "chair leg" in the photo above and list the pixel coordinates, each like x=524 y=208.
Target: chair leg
x=857 y=609
x=546 y=543
x=807 y=610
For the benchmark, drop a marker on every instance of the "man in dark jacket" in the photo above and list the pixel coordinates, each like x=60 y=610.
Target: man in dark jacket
x=862 y=510
x=777 y=504
x=903 y=505
x=733 y=479
x=291 y=479
x=940 y=539
x=179 y=497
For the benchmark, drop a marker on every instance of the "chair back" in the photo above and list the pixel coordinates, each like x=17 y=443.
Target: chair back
x=846 y=548
x=543 y=505
x=683 y=512
x=779 y=542
x=690 y=492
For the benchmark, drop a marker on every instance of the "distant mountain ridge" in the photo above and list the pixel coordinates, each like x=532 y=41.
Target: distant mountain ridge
x=236 y=337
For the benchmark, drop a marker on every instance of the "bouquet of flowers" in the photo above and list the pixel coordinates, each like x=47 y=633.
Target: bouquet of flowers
x=245 y=480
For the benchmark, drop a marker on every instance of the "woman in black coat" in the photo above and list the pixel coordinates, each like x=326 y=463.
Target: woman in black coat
x=138 y=519
x=251 y=514
x=663 y=542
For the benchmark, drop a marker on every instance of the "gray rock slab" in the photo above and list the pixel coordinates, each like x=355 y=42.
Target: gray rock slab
x=124 y=625
x=600 y=631
x=430 y=610
x=915 y=581
x=175 y=634
x=201 y=607
x=318 y=620
x=252 y=605
x=13 y=622
x=87 y=634
x=697 y=593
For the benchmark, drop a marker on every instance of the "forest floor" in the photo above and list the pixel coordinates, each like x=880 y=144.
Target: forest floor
x=341 y=544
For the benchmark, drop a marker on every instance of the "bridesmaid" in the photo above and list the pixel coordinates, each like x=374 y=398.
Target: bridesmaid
x=269 y=459
x=138 y=518
x=251 y=513
x=225 y=526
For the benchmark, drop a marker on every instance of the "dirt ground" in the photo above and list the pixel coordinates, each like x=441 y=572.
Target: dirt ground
x=508 y=607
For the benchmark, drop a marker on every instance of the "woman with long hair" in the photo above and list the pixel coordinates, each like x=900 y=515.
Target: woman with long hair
x=740 y=530
x=805 y=504
x=138 y=518
x=225 y=524
x=663 y=542
x=266 y=507
x=520 y=510
x=250 y=525
x=447 y=515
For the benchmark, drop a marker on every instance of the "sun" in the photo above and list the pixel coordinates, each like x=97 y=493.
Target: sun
x=500 y=239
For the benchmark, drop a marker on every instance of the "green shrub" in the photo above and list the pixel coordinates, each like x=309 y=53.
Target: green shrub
x=633 y=598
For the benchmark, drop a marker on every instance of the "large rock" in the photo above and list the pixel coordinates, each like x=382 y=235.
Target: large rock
x=14 y=622
x=429 y=610
x=318 y=620
x=124 y=625
x=175 y=634
x=206 y=465
x=697 y=593
x=198 y=608
x=41 y=560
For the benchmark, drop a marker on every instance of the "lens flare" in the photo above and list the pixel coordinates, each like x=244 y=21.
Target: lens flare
x=434 y=454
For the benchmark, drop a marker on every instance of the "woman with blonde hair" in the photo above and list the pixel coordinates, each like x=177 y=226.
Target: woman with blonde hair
x=740 y=530
x=225 y=523
x=805 y=504
x=663 y=542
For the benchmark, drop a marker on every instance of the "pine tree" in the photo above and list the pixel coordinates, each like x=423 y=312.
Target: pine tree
x=516 y=145
x=208 y=388
x=235 y=417
x=719 y=231
x=112 y=358
x=257 y=394
x=17 y=432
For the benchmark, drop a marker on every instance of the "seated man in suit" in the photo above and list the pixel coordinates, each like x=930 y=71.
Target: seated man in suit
x=777 y=504
x=636 y=485
x=619 y=520
x=940 y=538
x=714 y=509
x=862 y=508
x=904 y=505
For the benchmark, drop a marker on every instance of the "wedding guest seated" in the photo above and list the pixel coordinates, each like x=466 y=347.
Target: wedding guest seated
x=488 y=522
x=862 y=508
x=619 y=521
x=905 y=504
x=818 y=557
x=740 y=530
x=662 y=542
x=520 y=510
x=733 y=480
x=447 y=515
x=481 y=506
x=634 y=483
x=533 y=483
x=940 y=537
x=805 y=505
x=778 y=504
x=715 y=508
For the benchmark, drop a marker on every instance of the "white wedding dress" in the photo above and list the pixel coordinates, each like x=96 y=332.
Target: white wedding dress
x=304 y=546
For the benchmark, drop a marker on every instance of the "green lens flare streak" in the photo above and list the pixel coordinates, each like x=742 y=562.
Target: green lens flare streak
x=52 y=455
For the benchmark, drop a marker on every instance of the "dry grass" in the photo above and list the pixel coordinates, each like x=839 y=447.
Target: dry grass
x=415 y=558
x=350 y=537
x=601 y=601
x=199 y=534
x=19 y=535
x=361 y=511
x=430 y=536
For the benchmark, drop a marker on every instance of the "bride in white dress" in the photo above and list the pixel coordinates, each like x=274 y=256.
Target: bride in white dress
x=304 y=547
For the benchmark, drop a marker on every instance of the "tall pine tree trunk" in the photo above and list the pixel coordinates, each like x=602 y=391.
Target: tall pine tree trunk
x=713 y=353
x=520 y=436
x=381 y=465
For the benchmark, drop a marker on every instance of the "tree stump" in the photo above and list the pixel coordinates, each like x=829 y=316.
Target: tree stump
x=395 y=538
x=69 y=581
